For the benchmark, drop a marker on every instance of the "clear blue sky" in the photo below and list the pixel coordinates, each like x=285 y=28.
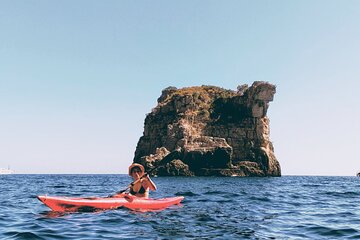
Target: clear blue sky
x=78 y=77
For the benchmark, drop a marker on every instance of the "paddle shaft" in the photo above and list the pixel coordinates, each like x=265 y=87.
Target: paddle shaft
x=145 y=174
x=131 y=184
x=166 y=160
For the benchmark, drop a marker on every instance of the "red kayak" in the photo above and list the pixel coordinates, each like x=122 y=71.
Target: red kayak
x=67 y=204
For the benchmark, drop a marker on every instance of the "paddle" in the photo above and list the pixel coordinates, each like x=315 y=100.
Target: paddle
x=132 y=184
x=168 y=158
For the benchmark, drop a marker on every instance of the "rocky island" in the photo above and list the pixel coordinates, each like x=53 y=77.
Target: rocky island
x=209 y=131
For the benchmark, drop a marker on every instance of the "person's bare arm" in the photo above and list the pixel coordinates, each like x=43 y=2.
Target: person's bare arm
x=148 y=183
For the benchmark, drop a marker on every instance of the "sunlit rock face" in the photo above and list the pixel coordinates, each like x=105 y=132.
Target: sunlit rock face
x=207 y=130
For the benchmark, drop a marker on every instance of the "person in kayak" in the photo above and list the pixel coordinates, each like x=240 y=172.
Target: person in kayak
x=142 y=182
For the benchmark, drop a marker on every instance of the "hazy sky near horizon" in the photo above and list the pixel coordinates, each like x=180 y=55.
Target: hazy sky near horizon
x=78 y=77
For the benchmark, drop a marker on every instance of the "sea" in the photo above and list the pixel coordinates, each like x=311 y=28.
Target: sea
x=288 y=207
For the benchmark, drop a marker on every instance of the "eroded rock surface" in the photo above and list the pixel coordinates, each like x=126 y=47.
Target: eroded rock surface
x=209 y=130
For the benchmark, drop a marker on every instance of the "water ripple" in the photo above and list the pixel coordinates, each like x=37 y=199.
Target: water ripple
x=186 y=194
x=213 y=208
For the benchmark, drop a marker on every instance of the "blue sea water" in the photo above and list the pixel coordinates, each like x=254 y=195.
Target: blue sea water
x=289 y=207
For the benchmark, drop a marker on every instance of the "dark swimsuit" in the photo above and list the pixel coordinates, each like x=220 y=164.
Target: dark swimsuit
x=141 y=191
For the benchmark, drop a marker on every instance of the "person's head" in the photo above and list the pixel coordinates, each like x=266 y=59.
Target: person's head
x=136 y=168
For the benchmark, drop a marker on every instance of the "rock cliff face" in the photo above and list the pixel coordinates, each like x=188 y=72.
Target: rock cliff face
x=208 y=130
